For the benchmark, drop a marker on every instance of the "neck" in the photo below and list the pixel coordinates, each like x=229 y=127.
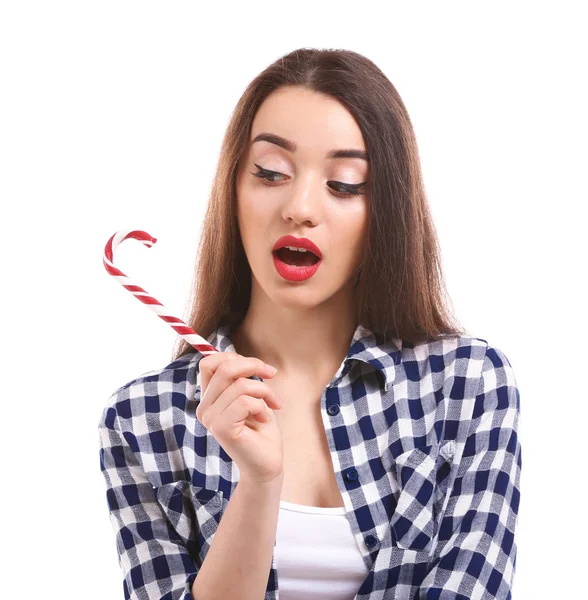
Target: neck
x=310 y=343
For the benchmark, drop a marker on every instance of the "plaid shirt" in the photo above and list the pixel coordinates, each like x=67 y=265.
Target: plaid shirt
x=426 y=452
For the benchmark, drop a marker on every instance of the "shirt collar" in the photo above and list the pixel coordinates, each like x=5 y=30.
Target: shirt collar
x=370 y=347
x=366 y=346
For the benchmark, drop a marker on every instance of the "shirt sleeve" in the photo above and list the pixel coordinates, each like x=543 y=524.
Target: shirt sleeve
x=154 y=563
x=476 y=552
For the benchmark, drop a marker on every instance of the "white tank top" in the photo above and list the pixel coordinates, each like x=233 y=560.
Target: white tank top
x=316 y=554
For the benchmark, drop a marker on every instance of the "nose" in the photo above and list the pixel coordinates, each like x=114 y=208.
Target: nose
x=302 y=203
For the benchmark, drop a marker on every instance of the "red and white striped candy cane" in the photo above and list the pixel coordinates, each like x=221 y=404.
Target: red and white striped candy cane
x=176 y=324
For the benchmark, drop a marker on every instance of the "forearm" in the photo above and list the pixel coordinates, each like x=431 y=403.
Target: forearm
x=238 y=562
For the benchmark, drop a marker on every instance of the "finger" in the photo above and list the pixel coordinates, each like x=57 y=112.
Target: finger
x=228 y=371
x=241 y=387
x=209 y=365
x=244 y=407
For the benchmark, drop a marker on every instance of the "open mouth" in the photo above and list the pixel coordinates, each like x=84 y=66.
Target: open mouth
x=299 y=259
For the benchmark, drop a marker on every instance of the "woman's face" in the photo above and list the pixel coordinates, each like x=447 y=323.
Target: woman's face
x=305 y=195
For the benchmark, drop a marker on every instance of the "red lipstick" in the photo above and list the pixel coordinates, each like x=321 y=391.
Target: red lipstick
x=296 y=272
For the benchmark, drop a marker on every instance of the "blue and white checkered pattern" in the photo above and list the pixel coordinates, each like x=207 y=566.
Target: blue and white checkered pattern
x=424 y=439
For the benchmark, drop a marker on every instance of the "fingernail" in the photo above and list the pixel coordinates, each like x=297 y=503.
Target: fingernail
x=271 y=369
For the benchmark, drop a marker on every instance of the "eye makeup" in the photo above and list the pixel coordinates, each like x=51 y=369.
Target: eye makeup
x=339 y=187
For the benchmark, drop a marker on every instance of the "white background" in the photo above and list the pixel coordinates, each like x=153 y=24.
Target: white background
x=112 y=115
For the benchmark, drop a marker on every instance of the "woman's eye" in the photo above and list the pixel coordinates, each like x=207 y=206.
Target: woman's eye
x=347 y=189
x=341 y=189
x=265 y=174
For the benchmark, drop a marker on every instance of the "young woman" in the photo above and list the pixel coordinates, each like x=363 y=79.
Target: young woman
x=381 y=460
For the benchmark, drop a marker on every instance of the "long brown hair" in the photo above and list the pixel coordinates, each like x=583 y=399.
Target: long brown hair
x=399 y=290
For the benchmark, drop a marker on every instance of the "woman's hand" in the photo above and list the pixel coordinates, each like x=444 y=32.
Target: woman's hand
x=238 y=413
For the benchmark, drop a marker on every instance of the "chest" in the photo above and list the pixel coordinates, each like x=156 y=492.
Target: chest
x=309 y=477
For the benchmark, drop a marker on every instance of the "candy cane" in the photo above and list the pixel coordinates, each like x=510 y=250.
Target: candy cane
x=198 y=342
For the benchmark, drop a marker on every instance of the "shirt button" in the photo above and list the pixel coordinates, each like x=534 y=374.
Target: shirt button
x=371 y=541
x=351 y=475
x=333 y=409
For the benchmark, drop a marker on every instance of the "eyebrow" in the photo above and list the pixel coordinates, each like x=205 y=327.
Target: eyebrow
x=291 y=147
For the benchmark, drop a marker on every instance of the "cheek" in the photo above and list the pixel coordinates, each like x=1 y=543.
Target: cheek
x=352 y=235
x=250 y=199
x=347 y=248
x=248 y=203
x=254 y=214
x=253 y=219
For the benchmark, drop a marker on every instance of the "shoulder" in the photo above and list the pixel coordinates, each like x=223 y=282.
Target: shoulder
x=457 y=356
x=155 y=390
x=465 y=365
x=475 y=368
x=462 y=350
x=497 y=388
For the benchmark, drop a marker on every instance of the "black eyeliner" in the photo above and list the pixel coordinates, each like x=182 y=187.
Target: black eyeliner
x=348 y=188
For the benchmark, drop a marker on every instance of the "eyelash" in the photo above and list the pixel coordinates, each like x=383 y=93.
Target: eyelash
x=349 y=189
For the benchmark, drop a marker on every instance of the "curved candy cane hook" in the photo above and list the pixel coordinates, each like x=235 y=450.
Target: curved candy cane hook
x=198 y=342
